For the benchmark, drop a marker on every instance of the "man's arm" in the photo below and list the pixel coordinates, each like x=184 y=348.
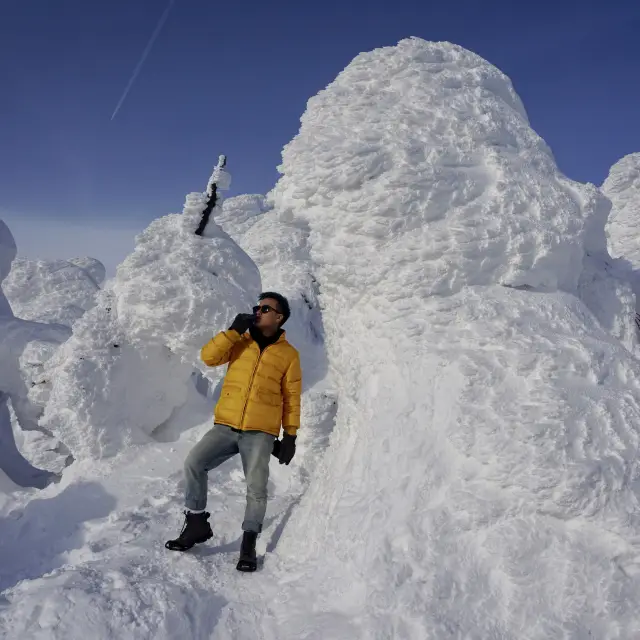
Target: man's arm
x=291 y=391
x=218 y=350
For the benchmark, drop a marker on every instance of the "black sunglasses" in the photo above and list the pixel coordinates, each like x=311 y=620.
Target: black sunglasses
x=265 y=308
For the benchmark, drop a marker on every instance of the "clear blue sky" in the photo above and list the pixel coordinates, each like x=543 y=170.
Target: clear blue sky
x=234 y=77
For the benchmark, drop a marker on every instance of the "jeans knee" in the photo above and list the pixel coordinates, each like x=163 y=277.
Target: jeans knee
x=192 y=465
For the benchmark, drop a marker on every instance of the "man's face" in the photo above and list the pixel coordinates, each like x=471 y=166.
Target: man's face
x=268 y=315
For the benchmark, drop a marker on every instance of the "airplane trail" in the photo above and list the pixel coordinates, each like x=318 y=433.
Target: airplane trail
x=143 y=57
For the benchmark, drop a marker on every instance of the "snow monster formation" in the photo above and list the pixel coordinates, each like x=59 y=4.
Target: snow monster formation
x=622 y=187
x=130 y=360
x=55 y=291
x=17 y=411
x=481 y=479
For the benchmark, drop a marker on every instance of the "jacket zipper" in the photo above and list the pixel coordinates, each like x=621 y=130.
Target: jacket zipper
x=246 y=402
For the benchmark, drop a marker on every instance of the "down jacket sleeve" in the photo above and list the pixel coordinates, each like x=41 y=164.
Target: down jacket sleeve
x=218 y=350
x=291 y=391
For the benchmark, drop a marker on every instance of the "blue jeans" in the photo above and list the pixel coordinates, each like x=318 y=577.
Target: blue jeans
x=220 y=444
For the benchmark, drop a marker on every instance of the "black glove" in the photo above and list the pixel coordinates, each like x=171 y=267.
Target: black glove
x=242 y=322
x=285 y=449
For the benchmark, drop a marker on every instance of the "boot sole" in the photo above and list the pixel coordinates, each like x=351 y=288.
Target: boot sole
x=173 y=545
x=246 y=567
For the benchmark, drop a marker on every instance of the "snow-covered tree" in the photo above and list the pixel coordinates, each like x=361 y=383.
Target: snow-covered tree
x=622 y=187
x=55 y=291
x=130 y=360
x=17 y=412
x=487 y=426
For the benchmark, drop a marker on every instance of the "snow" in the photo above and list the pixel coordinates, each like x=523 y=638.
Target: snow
x=17 y=410
x=506 y=419
x=240 y=213
x=141 y=343
x=54 y=291
x=622 y=187
x=468 y=459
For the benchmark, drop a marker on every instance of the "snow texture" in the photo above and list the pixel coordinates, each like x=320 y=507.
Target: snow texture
x=55 y=291
x=481 y=476
x=131 y=358
x=622 y=187
x=468 y=457
x=17 y=410
x=240 y=213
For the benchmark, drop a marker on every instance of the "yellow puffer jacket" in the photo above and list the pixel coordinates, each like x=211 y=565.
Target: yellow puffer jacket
x=261 y=391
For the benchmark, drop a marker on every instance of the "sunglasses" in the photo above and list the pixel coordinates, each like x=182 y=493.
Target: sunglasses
x=265 y=308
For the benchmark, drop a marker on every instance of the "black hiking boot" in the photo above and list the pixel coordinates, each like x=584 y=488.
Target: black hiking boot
x=248 y=560
x=196 y=529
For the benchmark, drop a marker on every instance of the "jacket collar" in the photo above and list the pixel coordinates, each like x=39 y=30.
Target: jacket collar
x=264 y=342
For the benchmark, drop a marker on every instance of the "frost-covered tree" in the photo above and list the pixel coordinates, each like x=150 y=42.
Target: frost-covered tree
x=55 y=291
x=481 y=475
x=130 y=360
x=17 y=411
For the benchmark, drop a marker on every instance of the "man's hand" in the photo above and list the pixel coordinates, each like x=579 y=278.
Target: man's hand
x=242 y=322
x=285 y=449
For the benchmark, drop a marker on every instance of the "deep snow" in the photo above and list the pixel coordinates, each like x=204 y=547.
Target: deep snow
x=468 y=457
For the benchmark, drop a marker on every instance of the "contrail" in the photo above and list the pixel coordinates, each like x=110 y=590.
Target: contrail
x=143 y=57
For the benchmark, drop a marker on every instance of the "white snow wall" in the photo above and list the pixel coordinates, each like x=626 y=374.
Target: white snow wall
x=481 y=473
x=130 y=359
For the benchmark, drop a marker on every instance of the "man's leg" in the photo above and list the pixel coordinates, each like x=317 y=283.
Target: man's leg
x=255 y=451
x=217 y=445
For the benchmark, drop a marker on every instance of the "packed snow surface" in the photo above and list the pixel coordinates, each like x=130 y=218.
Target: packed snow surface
x=468 y=458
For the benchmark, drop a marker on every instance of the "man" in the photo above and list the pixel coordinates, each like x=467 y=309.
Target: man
x=261 y=392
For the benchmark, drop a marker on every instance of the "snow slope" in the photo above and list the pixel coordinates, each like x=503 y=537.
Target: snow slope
x=468 y=463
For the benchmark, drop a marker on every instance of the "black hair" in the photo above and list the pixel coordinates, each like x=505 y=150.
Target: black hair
x=283 y=303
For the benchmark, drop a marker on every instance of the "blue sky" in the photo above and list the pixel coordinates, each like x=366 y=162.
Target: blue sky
x=234 y=78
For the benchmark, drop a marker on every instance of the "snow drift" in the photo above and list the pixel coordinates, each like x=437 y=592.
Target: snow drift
x=132 y=357
x=481 y=476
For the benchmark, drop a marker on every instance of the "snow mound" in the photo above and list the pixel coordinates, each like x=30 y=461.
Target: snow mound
x=57 y=291
x=107 y=392
x=428 y=145
x=131 y=358
x=176 y=287
x=622 y=187
x=481 y=475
